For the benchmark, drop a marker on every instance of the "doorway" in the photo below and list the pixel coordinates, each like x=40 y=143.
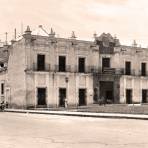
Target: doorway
x=62 y=97
x=128 y=96
x=82 y=97
x=144 y=95
x=107 y=91
x=41 y=96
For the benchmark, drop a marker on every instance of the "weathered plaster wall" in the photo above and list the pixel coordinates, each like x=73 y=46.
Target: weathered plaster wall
x=16 y=74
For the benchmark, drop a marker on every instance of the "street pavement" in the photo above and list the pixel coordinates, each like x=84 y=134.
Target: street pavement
x=52 y=131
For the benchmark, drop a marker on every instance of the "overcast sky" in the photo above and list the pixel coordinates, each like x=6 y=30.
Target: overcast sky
x=128 y=19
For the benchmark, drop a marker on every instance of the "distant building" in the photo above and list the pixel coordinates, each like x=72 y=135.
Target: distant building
x=42 y=70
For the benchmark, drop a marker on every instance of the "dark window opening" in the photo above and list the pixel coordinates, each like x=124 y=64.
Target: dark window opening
x=41 y=96
x=82 y=97
x=143 y=69
x=128 y=96
x=128 y=68
x=40 y=62
x=105 y=63
x=62 y=97
x=2 y=65
x=62 y=63
x=144 y=95
x=81 y=65
x=2 y=88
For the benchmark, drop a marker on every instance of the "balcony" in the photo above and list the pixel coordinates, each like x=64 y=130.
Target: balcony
x=111 y=71
x=76 y=69
x=143 y=73
x=108 y=71
x=66 y=68
x=122 y=71
x=132 y=72
x=85 y=70
x=44 y=68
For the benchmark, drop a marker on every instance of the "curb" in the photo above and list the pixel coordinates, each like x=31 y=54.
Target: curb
x=81 y=114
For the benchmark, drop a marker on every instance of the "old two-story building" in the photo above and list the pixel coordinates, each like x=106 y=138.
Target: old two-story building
x=39 y=69
x=44 y=70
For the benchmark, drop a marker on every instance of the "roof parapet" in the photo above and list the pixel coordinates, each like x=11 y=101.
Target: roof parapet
x=52 y=33
x=73 y=36
x=27 y=34
x=28 y=30
x=134 y=44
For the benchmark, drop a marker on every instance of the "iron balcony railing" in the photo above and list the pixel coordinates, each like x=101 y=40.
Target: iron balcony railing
x=130 y=72
x=76 y=69
x=143 y=73
x=44 y=68
x=111 y=71
x=86 y=69
x=117 y=71
x=66 y=68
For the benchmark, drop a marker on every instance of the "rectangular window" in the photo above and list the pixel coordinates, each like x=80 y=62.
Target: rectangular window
x=40 y=62
x=62 y=63
x=105 y=62
x=2 y=88
x=81 y=66
x=143 y=69
x=128 y=68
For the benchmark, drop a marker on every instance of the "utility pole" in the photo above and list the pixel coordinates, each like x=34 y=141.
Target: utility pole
x=15 y=33
x=22 y=29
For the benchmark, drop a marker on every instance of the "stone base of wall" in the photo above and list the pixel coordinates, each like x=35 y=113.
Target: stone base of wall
x=15 y=106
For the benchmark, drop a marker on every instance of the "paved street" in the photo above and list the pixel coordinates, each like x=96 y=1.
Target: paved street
x=48 y=131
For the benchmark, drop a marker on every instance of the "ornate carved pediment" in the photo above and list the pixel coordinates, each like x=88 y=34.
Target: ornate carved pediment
x=106 y=43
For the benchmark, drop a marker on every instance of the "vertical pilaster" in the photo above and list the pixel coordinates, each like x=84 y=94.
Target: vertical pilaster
x=124 y=89
x=35 y=83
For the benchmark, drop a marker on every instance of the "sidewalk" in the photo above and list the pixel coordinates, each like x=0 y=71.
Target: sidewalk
x=81 y=114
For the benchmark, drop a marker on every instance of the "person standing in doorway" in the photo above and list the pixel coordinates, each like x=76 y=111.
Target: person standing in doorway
x=66 y=102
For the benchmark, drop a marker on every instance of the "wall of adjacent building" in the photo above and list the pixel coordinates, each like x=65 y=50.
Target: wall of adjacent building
x=16 y=75
x=3 y=80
